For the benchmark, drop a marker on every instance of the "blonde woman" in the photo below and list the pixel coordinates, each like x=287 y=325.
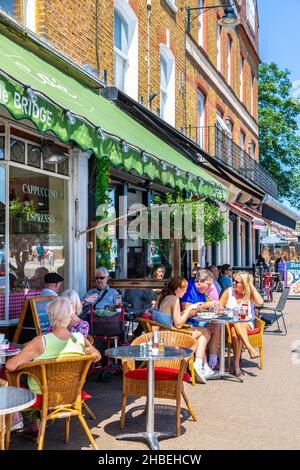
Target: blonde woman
x=60 y=342
x=241 y=292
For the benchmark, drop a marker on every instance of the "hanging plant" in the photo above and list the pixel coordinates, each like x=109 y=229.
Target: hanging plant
x=103 y=245
x=214 y=221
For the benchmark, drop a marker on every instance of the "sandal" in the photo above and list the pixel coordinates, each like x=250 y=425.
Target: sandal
x=238 y=372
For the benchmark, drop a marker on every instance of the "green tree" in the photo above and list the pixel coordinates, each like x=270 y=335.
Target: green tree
x=278 y=139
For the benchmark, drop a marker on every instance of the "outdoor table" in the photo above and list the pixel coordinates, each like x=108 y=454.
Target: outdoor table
x=134 y=353
x=14 y=399
x=223 y=319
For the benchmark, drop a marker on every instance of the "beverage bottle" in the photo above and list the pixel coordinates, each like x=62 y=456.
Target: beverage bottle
x=161 y=346
x=244 y=313
x=155 y=342
x=119 y=304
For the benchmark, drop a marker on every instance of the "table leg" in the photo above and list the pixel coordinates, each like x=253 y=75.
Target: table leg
x=150 y=435
x=222 y=374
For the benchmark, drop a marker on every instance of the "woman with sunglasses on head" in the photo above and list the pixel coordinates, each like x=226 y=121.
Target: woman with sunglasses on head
x=242 y=292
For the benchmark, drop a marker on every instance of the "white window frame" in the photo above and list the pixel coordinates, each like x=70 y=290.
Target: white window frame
x=229 y=50
x=200 y=24
x=201 y=98
x=125 y=11
x=168 y=110
x=251 y=149
x=172 y=5
x=30 y=14
x=219 y=33
x=242 y=64
x=251 y=14
x=252 y=94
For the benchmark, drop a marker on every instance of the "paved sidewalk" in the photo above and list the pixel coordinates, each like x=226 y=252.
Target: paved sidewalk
x=263 y=412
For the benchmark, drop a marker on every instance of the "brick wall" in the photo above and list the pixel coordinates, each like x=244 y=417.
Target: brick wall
x=70 y=25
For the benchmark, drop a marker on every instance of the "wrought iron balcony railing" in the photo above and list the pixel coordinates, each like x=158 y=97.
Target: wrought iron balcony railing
x=216 y=143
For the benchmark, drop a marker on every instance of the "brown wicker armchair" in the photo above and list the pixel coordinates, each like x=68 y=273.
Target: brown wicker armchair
x=163 y=388
x=256 y=340
x=61 y=381
x=148 y=324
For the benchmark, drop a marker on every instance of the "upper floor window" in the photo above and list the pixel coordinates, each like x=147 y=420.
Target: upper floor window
x=200 y=119
x=167 y=84
x=219 y=30
x=172 y=5
x=200 y=23
x=241 y=78
x=125 y=49
x=251 y=149
x=252 y=94
x=24 y=12
x=251 y=13
x=229 y=46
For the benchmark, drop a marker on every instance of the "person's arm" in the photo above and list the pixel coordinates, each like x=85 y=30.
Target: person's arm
x=89 y=349
x=224 y=298
x=180 y=318
x=32 y=350
x=256 y=298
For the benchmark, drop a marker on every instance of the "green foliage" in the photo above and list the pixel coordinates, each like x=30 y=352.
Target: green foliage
x=278 y=139
x=102 y=197
x=213 y=220
x=21 y=209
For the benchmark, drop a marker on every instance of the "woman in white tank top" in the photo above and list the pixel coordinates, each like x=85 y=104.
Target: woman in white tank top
x=242 y=292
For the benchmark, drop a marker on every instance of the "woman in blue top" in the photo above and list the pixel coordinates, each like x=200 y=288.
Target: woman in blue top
x=169 y=313
x=225 y=277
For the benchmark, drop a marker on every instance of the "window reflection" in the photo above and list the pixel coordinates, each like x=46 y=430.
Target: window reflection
x=37 y=225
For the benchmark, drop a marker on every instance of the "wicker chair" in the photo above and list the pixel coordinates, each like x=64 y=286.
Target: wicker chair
x=255 y=338
x=3 y=383
x=148 y=324
x=61 y=381
x=171 y=388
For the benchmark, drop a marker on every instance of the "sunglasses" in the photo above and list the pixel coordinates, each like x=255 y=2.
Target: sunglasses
x=100 y=277
x=237 y=282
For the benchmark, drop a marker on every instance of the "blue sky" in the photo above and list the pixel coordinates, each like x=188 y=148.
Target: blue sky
x=279 y=34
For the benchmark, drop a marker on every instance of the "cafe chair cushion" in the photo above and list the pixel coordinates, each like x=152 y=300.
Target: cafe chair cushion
x=160 y=373
x=255 y=331
x=39 y=399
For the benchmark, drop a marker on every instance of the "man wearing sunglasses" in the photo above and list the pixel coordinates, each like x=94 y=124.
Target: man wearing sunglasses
x=102 y=296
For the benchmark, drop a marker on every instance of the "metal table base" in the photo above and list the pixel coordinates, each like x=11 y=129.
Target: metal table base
x=149 y=435
x=221 y=374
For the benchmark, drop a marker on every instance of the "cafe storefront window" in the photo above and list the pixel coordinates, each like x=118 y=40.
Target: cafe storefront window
x=37 y=227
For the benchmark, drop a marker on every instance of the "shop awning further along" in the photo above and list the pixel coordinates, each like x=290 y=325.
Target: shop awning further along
x=30 y=88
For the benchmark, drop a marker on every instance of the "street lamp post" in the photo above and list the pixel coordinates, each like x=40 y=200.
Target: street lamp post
x=228 y=21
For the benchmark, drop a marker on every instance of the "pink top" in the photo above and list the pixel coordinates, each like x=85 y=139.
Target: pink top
x=212 y=293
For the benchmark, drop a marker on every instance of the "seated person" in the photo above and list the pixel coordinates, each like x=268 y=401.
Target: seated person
x=102 y=296
x=53 y=284
x=37 y=281
x=225 y=276
x=197 y=292
x=61 y=342
x=168 y=305
x=76 y=324
x=242 y=292
x=214 y=269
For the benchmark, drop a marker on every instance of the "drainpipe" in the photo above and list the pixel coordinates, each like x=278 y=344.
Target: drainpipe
x=97 y=36
x=148 y=51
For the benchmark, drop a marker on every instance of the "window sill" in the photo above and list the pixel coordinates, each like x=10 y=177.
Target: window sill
x=172 y=5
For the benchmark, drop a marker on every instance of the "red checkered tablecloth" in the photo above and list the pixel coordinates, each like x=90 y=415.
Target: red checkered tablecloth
x=16 y=301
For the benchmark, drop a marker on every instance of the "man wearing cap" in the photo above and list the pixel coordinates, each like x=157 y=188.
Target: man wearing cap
x=53 y=283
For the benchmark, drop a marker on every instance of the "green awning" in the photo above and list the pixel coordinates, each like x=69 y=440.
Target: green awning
x=55 y=93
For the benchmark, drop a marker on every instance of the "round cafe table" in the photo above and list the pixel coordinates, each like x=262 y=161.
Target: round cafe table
x=222 y=320
x=13 y=399
x=134 y=353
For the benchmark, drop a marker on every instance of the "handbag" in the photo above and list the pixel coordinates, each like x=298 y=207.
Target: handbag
x=106 y=324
